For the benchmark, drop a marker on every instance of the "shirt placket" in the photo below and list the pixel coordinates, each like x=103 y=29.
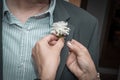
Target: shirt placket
x=23 y=53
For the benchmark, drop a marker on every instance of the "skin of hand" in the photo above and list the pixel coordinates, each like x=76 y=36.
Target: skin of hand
x=79 y=61
x=46 y=55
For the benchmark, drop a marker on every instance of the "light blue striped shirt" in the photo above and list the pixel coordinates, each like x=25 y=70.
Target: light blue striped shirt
x=18 y=41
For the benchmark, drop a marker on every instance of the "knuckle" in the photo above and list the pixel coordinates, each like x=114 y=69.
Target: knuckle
x=37 y=44
x=60 y=45
x=85 y=49
x=33 y=50
x=33 y=55
x=74 y=48
x=86 y=52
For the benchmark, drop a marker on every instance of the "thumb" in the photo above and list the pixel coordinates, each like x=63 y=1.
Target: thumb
x=73 y=48
x=60 y=43
x=49 y=38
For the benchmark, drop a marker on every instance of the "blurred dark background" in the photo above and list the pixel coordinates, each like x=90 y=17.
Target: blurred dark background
x=108 y=14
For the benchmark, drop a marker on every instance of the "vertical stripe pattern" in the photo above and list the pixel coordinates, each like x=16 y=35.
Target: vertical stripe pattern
x=18 y=41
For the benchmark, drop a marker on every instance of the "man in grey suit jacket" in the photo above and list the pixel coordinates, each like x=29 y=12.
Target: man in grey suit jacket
x=84 y=28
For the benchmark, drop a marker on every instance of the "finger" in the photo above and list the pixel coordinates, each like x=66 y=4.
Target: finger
x=52 y=43
x=60 y=43
x=33 y=52
x=71 y=58
x=34 y=56
x=74 y=48
x=49 y=38
x=83 y=49
x=77 y=44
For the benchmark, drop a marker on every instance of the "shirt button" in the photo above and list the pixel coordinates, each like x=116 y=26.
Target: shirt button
x=21 y=65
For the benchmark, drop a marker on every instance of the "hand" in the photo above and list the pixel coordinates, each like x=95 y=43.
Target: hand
x=46 y=55
x=79 y=61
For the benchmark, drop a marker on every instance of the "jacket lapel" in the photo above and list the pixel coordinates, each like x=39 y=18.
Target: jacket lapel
x=1 y=60
x=64 y=55
x=60 y=14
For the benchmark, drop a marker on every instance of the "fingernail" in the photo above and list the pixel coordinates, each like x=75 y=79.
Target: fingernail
x=69 y=43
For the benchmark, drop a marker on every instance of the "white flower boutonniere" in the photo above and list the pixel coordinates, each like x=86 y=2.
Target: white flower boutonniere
x=60 y=29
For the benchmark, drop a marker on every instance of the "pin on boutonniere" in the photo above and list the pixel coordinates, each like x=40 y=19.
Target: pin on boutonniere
x=60 y=29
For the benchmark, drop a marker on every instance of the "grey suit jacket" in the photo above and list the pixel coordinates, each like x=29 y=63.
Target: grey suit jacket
x=84 y=28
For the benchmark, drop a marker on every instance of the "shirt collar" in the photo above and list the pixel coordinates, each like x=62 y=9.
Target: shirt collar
x=50 y=10
x=5 y=8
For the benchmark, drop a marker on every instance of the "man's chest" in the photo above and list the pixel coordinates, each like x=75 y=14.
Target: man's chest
x=18 y=42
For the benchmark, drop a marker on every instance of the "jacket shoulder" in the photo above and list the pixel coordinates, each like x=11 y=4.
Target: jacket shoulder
x=78 y=14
